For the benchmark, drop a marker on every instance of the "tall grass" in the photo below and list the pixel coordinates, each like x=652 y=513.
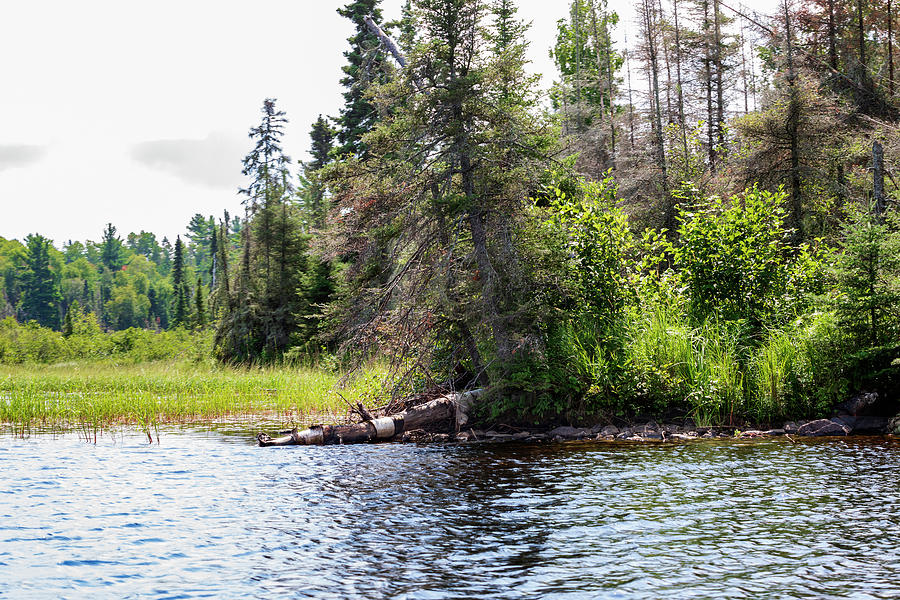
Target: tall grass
x=99 y=395
x=696 y=371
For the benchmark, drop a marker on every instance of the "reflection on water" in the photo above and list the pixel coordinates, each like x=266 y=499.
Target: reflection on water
x=209 y=514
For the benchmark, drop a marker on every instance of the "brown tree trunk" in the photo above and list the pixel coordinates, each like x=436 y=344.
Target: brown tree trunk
x=708 y=84
x=890 y=50
x=720 y=77
x=832 y=38
x=862 y=33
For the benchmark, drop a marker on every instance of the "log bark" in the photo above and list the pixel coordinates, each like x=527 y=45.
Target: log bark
x=451 y=410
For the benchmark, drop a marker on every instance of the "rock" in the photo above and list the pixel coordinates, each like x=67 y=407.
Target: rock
x=683 y=436
x=651 y=426
x=498 y=437
x=791 y=427
x=522 y=435
x=569 y=433
x=774 y=432
x=671 y=428
x=538 y=437
x=652 y=435
x=623 y=435
x=597 y=429
x=894 y=426
x=441 y=437
x=822 y=427
x=609 y=431
x=464 y=436
x=858 y=404
x=863 y=424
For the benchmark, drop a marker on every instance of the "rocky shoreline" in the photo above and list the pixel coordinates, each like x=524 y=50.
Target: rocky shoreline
x=652 y=431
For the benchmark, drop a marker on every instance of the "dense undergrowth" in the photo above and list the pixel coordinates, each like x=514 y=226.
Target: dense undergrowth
x=727 y=323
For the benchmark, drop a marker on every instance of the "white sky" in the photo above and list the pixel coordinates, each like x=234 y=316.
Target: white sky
x=137 y=113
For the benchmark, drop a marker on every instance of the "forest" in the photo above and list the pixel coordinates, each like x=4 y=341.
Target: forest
x=698 y=220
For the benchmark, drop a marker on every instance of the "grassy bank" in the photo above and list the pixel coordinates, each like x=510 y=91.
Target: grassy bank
x=98 y=395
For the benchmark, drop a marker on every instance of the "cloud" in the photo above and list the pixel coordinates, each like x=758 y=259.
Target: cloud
x=214 y=161
x=20 y=155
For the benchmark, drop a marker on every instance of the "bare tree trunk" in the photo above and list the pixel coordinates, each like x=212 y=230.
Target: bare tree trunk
x=708 y=84
x=652 y=54
x=669 y=111
x=720 y=76
x=681 y=119
x=832 y=37
x=890 y=41
x=449 y=413
x=862 y=33
x=878 y=179
x=744 y=68
x=630 y=99
x=793 y=126
x=610 y=84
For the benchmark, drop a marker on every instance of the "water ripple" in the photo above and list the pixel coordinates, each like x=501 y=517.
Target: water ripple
x=211 y=516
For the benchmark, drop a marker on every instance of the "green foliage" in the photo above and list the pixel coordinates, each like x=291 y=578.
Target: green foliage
x=683 y=370
x=32 y=343
x=40 y=295
x=367 y=64
x=867 y=298
x=734 y=257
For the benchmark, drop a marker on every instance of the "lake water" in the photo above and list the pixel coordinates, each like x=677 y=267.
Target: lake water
x=207 y=514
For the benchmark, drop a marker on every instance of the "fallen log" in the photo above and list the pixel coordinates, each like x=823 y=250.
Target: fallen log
x=450 y=410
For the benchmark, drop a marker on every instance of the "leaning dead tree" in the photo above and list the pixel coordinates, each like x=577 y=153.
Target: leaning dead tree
x=449 y=412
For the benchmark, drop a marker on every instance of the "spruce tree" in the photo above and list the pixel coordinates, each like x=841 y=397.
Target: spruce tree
x=40 y=293
x=180 y=313
x=199 y=306
x=367 y=64
x=262 y=316
x=312 y=192
x=449 y=177
x=111 y=249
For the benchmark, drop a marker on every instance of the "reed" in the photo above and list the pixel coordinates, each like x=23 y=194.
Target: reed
x=99 y=395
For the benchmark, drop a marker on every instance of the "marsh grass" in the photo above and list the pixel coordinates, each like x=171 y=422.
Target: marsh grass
x=91 y=397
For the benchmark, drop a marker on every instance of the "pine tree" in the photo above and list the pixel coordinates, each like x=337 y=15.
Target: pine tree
x=73 y=313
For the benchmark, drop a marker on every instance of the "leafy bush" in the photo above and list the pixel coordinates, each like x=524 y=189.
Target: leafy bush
x=31 y=343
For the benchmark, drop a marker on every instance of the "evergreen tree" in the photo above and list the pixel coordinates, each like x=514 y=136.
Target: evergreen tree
x=262 y=316
x=312 y=192
x=199 y=306
x=179 y=286
x=73 y=312
x=40 y=293
x=367 y=64
x=449 y=177
x=111 y=249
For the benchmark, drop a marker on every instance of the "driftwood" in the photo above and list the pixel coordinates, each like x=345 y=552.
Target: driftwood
x=450 y=411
